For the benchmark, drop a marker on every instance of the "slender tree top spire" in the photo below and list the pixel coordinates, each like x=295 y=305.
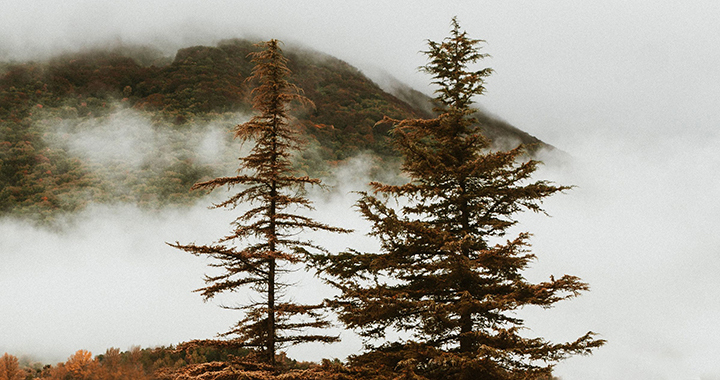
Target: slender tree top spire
x=448 y=66
x=274 y=92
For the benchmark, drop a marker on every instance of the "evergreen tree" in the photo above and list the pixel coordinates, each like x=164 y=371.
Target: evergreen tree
x=270 y=226
x=443 y=275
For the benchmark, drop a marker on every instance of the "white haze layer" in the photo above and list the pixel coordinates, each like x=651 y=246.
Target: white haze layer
x=628 y=88
x=128 y=137
x=635 y=227
x=110 y=280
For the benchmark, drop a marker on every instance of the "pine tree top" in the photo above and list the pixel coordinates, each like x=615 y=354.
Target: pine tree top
x=448 y=65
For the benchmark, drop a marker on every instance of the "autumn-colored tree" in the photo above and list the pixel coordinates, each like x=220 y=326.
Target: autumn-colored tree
x=271 y=226
x=79 y=366
x=444 y=277
x=114 y=365
x=10 y=368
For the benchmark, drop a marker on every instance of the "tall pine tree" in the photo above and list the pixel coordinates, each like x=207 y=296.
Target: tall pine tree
x=444 y=277
x=270 y=227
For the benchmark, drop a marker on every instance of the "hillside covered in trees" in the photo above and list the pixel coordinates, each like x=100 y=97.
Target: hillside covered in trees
x=132 y=125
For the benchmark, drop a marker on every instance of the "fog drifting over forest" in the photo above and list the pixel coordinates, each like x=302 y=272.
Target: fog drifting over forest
x=628 y=88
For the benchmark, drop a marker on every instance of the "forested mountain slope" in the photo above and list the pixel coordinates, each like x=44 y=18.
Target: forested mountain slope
x=131 y=125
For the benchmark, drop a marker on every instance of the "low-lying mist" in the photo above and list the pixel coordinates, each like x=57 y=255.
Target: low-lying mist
x=134 y=140
x=105 y=278
x=106 y=282
x=639 y=227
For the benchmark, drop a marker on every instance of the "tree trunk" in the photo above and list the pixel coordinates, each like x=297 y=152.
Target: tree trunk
x=272 y=237
x=466 y=327
x=466 y=323
x=271 y=311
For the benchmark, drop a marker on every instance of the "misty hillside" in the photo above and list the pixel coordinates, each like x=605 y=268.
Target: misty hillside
x=132 y=125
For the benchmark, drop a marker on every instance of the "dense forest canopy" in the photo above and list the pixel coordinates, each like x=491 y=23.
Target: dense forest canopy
x=131 y=125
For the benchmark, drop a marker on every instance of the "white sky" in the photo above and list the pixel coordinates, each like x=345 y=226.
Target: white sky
x=629 y=88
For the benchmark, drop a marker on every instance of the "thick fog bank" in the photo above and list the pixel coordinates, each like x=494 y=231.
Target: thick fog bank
x=641 y=229
x=107 y=278
x=109 y=281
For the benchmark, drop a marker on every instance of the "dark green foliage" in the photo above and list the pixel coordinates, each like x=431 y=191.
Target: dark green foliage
x=44 y=106
x=152 y=360
x=200 y=80
x=36 y=179
x=443 y=274
x=100 y=75
x=177 y=97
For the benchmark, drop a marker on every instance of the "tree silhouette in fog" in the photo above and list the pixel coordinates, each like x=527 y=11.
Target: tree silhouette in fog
x=444 y=276
x=270 y=227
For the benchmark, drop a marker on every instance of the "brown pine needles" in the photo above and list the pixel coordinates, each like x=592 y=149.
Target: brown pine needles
x=443 y=276
x=269 y=228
